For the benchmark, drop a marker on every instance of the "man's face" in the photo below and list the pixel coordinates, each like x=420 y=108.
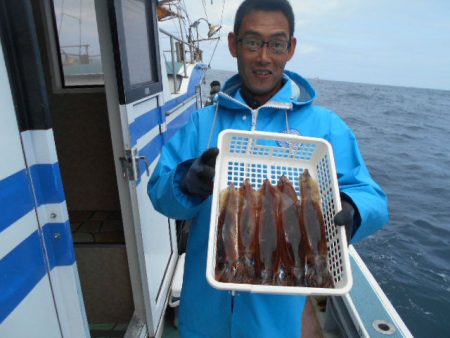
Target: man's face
x=261 y=70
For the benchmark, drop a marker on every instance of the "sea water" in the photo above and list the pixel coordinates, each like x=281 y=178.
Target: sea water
x=404 y=136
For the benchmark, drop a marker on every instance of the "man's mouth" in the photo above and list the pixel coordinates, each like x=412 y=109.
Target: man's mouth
x=262 y=72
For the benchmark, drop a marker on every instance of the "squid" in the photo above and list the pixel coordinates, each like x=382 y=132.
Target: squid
x=248 y=216
x=289 y=270
x=227 y=257
x=220 y=254
x=314 y=245
x=267 y=231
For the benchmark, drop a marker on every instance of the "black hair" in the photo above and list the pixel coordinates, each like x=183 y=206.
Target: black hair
x=282 y=6
x=214 y=83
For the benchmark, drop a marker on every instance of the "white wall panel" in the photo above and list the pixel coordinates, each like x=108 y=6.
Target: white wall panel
x=34 y=317
x=17 y=232
x=39 y=147
x=10 y=150
x=69 y=301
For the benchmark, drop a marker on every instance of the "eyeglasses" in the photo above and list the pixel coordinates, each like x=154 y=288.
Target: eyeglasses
x=276 y=46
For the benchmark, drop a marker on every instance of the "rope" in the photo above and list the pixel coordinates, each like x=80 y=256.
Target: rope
x=217 y=42
x=183 y=8
x=204 y=9
x=214 y=52
x=214 y=125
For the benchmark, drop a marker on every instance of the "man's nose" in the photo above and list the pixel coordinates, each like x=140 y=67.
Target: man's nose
x=264 y=53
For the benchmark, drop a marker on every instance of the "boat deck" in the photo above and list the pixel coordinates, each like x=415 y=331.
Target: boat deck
x=96 y=227
x=103 y=268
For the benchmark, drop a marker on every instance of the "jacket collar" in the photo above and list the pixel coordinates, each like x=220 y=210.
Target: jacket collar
x=296 y=91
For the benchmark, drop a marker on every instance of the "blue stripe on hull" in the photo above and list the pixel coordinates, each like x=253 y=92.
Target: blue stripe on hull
x=59 y=244
x=23 y=268
x=153 y=148
x=20 y=270
x=150 y=151
x=47 y=183
x=146 y=122
x=179 y=122
x=16 y=198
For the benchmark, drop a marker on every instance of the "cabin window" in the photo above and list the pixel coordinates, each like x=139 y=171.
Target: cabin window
x=77 y=42
x=135 y=41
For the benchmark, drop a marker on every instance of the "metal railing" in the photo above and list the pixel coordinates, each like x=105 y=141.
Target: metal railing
x=178 y=54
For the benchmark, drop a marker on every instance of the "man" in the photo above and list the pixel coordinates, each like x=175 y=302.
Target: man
x=215 y=88
x=263 y=96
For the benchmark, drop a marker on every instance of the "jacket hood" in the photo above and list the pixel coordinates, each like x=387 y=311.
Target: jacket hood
x=295 y=91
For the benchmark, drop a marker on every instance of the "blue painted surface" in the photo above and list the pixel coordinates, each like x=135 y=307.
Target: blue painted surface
x=16 y=198
x=153 y=148
x=20 y=270
x=144 y=123
x=59 y=244
x=367 y=303
x=150 y=151
x=47 y=183
x=179 y=122
x=24 y=266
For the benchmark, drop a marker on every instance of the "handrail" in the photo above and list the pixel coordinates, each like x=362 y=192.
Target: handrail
x=194 y=51
x=175 y=37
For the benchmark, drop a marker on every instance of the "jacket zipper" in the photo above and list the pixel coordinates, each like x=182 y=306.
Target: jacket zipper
x=254 y=118
x=255 y=112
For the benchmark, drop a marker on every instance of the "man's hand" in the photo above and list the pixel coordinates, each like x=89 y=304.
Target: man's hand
x=198 y=180
x=345 y=218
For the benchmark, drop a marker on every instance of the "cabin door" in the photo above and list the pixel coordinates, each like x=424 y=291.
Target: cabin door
x=25 y=282
x=40 y=294
x=130 y=59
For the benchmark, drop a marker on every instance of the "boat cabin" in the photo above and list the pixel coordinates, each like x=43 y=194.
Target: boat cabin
x=90 y=91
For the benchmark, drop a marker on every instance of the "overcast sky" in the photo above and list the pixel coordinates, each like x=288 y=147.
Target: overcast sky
x=392 y=42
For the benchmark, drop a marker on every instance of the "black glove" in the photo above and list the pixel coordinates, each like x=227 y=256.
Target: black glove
x=199 y=178
x=345 y=217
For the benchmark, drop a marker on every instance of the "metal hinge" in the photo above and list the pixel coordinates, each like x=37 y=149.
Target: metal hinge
x=130 y=165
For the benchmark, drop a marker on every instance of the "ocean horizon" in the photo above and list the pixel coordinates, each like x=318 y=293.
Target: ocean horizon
x=222 y=73
x=403 y=134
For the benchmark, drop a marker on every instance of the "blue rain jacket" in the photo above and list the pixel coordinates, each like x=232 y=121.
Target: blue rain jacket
x=207 y=312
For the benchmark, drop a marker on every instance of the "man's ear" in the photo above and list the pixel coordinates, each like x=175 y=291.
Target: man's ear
x=232 y=44
x=291 y=50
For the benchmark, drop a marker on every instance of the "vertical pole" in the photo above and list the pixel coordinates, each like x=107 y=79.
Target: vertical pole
x=79 y=36
x=174 y=77
x=182 y=49
x=190 y=44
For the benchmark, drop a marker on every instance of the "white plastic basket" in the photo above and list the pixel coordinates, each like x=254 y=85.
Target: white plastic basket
x=262 y=155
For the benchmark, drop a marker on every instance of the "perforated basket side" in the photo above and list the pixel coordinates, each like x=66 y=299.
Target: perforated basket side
x=330 y=200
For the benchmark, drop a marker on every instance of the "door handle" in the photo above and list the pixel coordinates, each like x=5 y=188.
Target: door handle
x=146 y=161
x=130 y=165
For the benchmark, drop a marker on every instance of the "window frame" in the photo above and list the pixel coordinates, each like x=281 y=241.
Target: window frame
x=54 y=56
x=127 y=92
